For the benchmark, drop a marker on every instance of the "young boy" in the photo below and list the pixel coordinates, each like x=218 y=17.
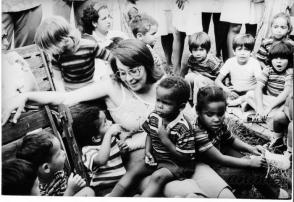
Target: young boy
x=100 y=147
x=73 y=58
x=243 y=70
x=169 y=152
x=201 y=68
x=144 y=28
x=44 y=151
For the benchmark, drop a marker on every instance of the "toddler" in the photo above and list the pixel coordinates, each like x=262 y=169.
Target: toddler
x=281 y=28
x=242 y=69
x=221 y=150
x=201 y=68
x=100 y=147
x=73 y=58
x=44 y=151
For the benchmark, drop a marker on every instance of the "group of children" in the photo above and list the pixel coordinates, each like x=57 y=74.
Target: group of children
x=174 y=143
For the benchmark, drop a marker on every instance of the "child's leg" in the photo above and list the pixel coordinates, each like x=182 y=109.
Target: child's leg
x=86 y=191
x=158 y=179
x=178 y=47
x=234 y=29
x=289 y=137
x=167 y=45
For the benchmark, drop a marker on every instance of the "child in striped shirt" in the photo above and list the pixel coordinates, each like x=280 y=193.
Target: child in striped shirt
x=73 y=58
x=97 y=137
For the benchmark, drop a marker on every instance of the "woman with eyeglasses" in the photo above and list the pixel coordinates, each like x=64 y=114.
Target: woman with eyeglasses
x=129 y=95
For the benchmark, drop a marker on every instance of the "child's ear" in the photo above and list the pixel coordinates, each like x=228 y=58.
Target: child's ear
x=45 y=167
x=139 y=35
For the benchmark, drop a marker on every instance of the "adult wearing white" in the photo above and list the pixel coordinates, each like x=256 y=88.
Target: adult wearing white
x=129 y=97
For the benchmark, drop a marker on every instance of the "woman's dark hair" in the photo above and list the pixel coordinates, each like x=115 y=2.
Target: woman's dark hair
x=90 y=15
x=281 y=49
x=208 y=94
x=18 y=177
x=36 y=148
x=134 y=53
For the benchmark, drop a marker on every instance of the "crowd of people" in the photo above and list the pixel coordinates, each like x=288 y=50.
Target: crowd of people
x=168 y=135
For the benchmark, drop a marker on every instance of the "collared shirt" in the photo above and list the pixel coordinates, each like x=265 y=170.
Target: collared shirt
x=205 y=139
x=56 y=187
x=180 y=135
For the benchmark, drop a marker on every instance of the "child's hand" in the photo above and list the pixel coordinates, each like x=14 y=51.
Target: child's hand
x=181 y=4
x=258 y=161
x=149 y=160
x=123 y=147
x=163 y=133
x=258 y=150
x=75 y=183
x=114 y=130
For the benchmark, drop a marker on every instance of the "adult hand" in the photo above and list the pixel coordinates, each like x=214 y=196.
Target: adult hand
x=258 y=161
x=149 y=160
x=114 y=130
x=123 y=146
x=15 y=103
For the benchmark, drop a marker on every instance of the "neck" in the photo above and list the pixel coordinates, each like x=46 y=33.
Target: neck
x=100 y=35
x=145 y=90
x=169 y=119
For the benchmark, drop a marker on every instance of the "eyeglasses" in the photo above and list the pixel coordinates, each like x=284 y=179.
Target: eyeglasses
x=134 y=72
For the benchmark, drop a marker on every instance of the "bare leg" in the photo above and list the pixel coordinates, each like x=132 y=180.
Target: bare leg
x=86 y=191
x=167 y=45
x=178 y=47
x=234 y=29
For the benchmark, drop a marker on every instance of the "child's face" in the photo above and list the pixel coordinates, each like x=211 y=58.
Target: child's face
x=150 y=37
x=280 y=64
x=102 y=123
x=242 y=54
x=58 y=157
x=279 y=28
x=104 y=22
x=165 y=106
x=199 y=54
x=212 y=115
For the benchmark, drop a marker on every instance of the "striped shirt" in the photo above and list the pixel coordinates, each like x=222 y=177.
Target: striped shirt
x=56 y=187
x=107 y=175
x=205 y=139
x=79 y=66
x=275 y=82
x=209 y=67
x=180 y=135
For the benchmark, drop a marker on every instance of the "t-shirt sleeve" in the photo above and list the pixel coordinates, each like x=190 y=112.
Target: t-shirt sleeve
x=202 y=141
x=262 y=53
x=186 y=141
x=215 y=65
x=256 y=68
x=225 y=69
x=289 y=78
x=146 y=125
x=88 y=155
x=263 y=77
x=102 y=53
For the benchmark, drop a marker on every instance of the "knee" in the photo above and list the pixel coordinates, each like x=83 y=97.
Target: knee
x=88 y=191
x=158 y=177
x=226 y=193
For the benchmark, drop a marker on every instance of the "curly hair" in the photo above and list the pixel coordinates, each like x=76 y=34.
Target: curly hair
x=180 y=89
x=142 y=23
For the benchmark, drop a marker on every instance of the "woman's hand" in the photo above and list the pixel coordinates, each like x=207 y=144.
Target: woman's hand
x=257 y=150
x=15 y=103
x=114 y=130
x=123 y=146
x=257 y=162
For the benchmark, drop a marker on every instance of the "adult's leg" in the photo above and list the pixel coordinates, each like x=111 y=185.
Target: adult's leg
x=8 y=27
x=206 y=21
x=234 y=29
x=167 y=45
x=220 y=32
x=178 y=47
x=251 y=29
x=26 y=24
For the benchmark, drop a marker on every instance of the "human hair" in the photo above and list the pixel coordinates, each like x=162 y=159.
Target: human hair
x=84 y=126
x=286 y=17
x=90 y=15
x=114 y=42
x=244 y=40
x=179 y=88
x=199 y=39
x=36 y=148
x=142 y=23
x=208 y=94
x=281 y=49
x=134 y=53
x=18 y=177
x=53 y=31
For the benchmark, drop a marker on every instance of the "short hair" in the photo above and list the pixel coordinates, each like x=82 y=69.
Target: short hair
x=180 y=89
x=90 y=15
x=208 y=94
x=244 y=40
x=114 y=42
x=286 y=17
x=281 y=49
x=18 y=177
x=142 y=23
x=84 y=127
x=199 y=39
x=134 y=53
x=52 y=31
x=36 y=148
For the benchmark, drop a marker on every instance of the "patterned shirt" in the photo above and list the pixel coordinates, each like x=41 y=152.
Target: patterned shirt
x=56 y=187
x=79 y=66
x=180 y=135
x=107 y=175
x=275 y=82
x=209 y=67
x=205 y=139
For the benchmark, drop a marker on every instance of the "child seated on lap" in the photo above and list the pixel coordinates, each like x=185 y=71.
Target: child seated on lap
x=202 y=67
x=44 y=151
x=73 y=58
x=170 y=149
x=243 y=70
x=100 y=147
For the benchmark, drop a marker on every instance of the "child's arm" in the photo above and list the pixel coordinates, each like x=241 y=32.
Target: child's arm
x=239 y=145
x=219 y=82
x=58 y=80
x=258 y=94
x=149 y=159
x=74 y=184
x=103 y=155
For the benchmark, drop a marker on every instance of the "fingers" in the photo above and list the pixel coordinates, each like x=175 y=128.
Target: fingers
x=17 y=114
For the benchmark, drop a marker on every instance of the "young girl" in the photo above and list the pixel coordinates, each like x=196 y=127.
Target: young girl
x=281 y=27
x=220 y=149
x=73 y=58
